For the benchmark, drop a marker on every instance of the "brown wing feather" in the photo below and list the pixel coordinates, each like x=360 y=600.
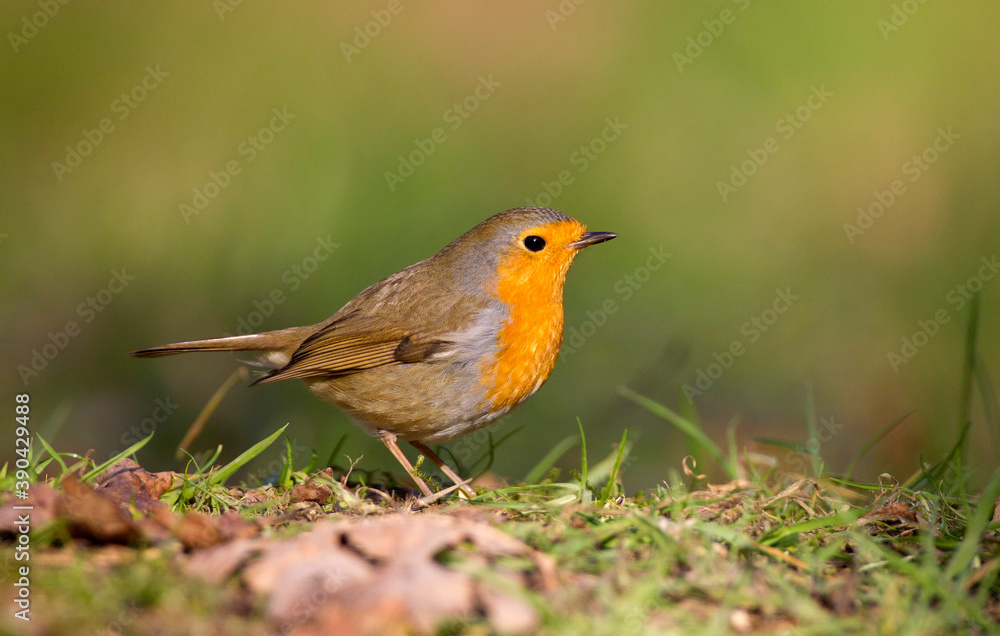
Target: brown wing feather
x=348 y=346
x=388 y=323
x=411 y=350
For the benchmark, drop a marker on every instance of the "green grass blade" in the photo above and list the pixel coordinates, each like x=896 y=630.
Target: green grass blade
x=784 y=533
x=968 y=373
x=988 y=396
x=867 y=446
x=654 y=531
x=936 y=474
x=131 y=450
x=543 y=467
x=733 y=458
x=978 y=521
x=955 y=457
x=311 y=468
x=336 y=450
x=782 y=443
x=860 y=485
x=614 y=470
x=444 y=451
x=733 y=536
x=685 y=426
x=51 y=452
x=227 y=471
x=583 y=463
x=490 y=454
x=812 y=434
x=288 y=466
x=52 y=424
x=211 y=459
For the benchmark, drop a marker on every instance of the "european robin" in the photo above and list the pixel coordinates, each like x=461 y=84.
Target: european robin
x=442 y=347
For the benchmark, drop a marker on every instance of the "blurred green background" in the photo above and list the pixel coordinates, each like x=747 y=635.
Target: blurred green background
x=117 y=116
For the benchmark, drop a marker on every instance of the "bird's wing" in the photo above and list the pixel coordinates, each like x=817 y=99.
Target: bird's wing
x=353 y=343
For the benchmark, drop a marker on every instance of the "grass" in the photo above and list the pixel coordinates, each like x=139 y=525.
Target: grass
x=765 y=551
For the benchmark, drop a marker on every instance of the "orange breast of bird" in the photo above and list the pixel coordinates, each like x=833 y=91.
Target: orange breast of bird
x=531 y=286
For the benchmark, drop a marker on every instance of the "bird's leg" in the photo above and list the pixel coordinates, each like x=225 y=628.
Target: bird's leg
x=390 y=442
x=445 y=468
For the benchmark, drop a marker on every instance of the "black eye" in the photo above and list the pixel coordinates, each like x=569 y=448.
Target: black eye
x=534 y=243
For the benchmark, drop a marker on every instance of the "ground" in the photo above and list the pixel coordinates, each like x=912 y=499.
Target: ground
x=116 y=549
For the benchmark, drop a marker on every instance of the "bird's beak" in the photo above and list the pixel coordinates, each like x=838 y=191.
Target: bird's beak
x=591 y=238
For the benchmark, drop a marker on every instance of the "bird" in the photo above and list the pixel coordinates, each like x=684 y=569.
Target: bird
x=440 y=348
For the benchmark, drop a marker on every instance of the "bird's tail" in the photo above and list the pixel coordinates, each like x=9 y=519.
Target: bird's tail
x=281 y=341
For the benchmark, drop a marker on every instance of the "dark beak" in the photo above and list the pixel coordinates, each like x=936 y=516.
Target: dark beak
x=591 y=238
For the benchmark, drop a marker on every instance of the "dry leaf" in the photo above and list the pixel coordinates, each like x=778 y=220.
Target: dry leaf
x=41 y=497
x=899 y=516
x=130 y=484
x=95 y=516
x=218 y=563
x=312 y=491
x=378 y=575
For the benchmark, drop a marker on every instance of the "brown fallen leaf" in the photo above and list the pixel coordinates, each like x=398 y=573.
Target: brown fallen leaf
x=428 y=592
x=265 y=574
x=197 y=530
x=218 y=563
x=42 y=500
x=388 y=619
x=894 y=511
x=379 y=575
x=312 y=491
x=129 y=483
x=94 y=516
x=302 y=590
x=898 y=515
x=253 y=497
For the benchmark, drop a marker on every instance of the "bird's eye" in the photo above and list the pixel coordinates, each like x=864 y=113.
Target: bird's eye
x=534 y=243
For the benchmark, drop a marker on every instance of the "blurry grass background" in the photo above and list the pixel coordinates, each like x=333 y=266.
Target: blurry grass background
x=898 y=73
